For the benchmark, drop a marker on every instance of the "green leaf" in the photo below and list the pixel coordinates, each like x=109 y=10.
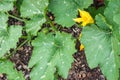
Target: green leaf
x=102 y=23
x=3 y=21
x=112 y=15
x=116 y=18
x=66 y=10
x=6 y=5
x=33 y=25
x=3 y=24
x=8 y=36
x=35 y=10
x=8 y=68
x=116 y=48
x=31 y=7
x=112 y=10
x=100 y=50
x=93 y=11
x=10 y=40
x=51 y=53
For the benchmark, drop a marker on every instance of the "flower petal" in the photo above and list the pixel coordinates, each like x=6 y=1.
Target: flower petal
x=78 y=20
x=85 y=18
x=84 y=24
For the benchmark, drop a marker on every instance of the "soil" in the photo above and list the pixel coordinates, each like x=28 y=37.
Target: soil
x=79 y=68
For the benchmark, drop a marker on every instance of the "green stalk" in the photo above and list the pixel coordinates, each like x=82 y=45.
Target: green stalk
x=49 y=21
x=9 y=54
x=15 y=17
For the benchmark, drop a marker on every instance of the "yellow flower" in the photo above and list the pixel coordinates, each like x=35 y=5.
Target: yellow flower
x=81 y=47
x=85 y=18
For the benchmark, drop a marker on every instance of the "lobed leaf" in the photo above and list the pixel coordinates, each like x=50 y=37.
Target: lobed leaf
x=93 y=11
x=116 y=18
x=105 y=49
x=8 y=36
x=33 y=25
x=7 y=67
x=3 y=24
x=66 y=10
x=3 y=21
x=35 y=11
x=100 y=49
x=112 y=15
x=9 y=41
x=51 y=53
x=6 y=5
x=102 y=23
x=31 y=7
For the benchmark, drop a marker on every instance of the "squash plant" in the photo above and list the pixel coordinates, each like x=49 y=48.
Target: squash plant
x=52 y=49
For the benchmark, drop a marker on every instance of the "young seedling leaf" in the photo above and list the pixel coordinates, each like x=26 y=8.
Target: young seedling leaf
x=66 y=10
x=51 y=54
x=7 y=67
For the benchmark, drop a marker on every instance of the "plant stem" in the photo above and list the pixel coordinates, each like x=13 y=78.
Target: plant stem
x=24 y=37
x=9 y=54
x=15 y=17
x=21 y=44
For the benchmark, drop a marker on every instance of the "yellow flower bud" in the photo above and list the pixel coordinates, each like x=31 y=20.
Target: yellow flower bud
x=81 y=47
